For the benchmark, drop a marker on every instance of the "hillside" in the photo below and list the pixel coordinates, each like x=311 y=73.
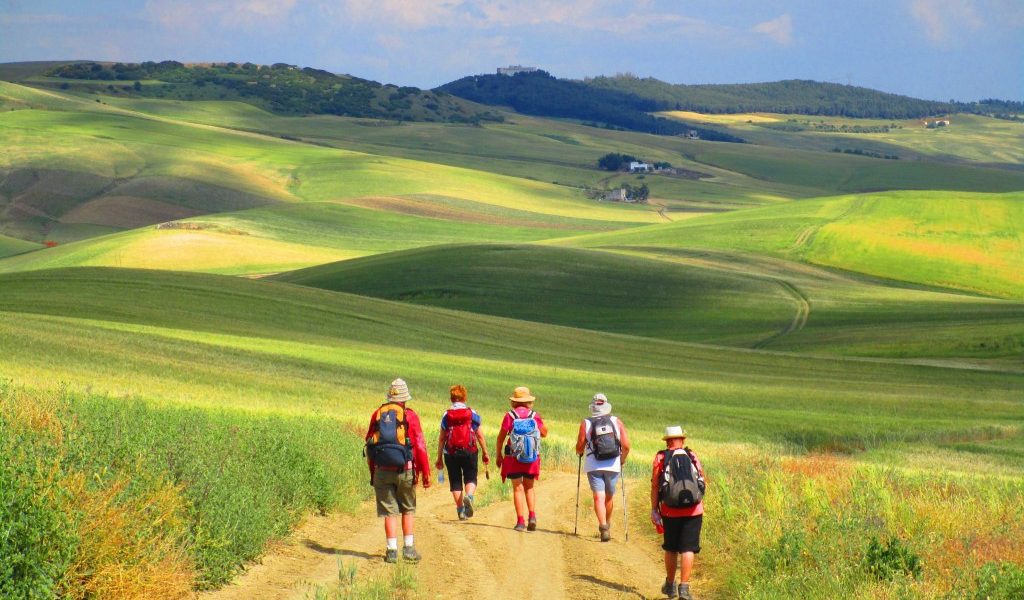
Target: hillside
x=592 y=290
x=281 y=88
x=793 y=96
x=970 y=242
x=541 y=94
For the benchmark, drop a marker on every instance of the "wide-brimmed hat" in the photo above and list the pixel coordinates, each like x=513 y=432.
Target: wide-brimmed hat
x=521 y=394
x=600 y=406
x=399 y=391
x=674 y=432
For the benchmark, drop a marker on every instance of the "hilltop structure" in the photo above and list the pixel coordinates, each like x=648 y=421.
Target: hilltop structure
x=513 y=69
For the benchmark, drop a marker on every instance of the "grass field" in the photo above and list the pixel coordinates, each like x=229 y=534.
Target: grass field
x=849 y=366
x=955 y=240
x=284 y=351
x=969 y=138
x=578 y=288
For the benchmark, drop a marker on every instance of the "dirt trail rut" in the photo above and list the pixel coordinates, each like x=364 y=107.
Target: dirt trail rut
x=482 y=557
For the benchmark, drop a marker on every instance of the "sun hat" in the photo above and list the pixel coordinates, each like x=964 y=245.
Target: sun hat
x=399 y=391
x=674 y=432
x=521 y=394
x=599 y=406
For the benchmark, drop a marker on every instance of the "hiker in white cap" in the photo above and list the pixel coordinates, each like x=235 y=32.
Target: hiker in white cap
x=677 y=508
x=397 y=455
x=603 y=443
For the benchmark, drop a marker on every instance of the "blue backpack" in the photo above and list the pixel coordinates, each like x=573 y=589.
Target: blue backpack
x=524 y=441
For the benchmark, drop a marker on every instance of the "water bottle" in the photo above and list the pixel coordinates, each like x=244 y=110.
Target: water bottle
x=440 y=476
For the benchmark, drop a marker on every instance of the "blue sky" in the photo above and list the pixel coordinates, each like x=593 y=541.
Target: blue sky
x=937 y=49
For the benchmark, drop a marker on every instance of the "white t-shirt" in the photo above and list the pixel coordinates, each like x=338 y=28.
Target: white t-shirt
x=590 y=462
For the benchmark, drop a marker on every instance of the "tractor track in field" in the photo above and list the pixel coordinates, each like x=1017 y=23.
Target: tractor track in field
x=803 y=313
x=483 y=557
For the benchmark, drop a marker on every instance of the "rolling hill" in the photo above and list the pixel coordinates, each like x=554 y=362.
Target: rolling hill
x=970 y=242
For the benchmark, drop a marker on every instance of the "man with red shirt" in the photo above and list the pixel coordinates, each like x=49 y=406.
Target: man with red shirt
x=397 y=455
x=680 y=525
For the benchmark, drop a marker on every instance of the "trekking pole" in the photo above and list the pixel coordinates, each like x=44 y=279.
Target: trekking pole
x=576 y=521
x=625 y=504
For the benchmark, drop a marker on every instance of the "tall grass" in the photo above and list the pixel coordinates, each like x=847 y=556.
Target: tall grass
x=127 y=499
x=825 y=526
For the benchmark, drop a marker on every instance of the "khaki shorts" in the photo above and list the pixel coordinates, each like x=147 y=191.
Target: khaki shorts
x=395 y=492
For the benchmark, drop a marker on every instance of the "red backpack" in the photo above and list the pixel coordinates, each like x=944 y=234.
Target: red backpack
x=461 y=438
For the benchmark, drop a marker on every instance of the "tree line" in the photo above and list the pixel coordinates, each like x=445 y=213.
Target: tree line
x=542 y=95
x=281 y=88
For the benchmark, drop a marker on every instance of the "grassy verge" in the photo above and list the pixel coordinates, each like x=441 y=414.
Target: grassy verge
x=124 y=498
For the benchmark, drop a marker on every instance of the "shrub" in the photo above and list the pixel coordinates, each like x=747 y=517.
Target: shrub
x=893 y=559
x=1000 y=581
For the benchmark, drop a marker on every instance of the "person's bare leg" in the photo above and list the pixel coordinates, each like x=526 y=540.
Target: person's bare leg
x=600 y=508
x=671 y=564
x=609 y=508
x=391 y=527
x=407 y=521
x=531 y=494
x=457 y=494
x=687 y=566
x=519 y=498
x=470 y=489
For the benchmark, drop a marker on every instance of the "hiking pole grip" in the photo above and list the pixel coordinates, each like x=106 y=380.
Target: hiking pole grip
x=576 y=519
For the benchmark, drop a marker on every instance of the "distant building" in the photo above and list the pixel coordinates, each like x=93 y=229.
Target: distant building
x=937 y=123
x=513 y=69
x=693 y=134
x=639 y=167
x=618 y=195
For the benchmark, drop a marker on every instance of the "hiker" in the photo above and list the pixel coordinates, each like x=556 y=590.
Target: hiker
x=677 y=508
x=604 y=444
x=397 y=456
x=518 y=451
x=458 y=447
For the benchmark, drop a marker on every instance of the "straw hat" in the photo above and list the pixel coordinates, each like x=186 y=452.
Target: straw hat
x=599 y=406
x=674 y=432
x=399 y=391
x=521 y=394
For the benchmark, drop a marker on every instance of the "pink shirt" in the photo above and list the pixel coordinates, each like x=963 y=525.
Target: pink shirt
x=510 y=464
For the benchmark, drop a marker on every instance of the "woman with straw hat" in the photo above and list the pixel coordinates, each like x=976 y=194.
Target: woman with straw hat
x=518 y=452
x=677 y=508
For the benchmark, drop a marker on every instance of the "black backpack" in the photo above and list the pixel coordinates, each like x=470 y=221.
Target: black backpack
x=682 y=485
x=604 y=438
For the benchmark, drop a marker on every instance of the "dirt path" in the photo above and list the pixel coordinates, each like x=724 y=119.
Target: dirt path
x=482 y=557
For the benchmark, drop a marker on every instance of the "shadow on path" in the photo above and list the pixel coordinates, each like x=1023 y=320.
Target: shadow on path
x=619 y=587
x=338 y=551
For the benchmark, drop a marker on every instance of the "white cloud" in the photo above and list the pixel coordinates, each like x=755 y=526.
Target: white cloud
x=940 y=19
x=195 y=14
x=779 y=30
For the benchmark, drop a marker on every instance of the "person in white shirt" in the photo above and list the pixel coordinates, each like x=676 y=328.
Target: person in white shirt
x=604 y=444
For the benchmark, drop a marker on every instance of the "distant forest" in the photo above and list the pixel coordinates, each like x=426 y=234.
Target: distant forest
x=794 y=97
x=281 y=88
x=540 y=94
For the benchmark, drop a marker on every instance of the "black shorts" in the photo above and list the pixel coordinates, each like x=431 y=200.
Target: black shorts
x=462 y=469
x=682 y=534
x=520 y=476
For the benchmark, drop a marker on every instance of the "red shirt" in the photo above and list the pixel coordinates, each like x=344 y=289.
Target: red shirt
x=420 y=458
x=656 y=475
x=510 y=464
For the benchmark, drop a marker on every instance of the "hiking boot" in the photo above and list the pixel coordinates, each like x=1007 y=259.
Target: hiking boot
x=606 y=534
x=391 y=556
x=532 y=524
x=410 y=554
x=520 y=527
x=462 y=514
x=684 y=592
x=670 y=589
x=467 y=505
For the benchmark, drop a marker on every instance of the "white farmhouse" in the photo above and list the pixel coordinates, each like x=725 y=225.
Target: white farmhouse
x=639 y=167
